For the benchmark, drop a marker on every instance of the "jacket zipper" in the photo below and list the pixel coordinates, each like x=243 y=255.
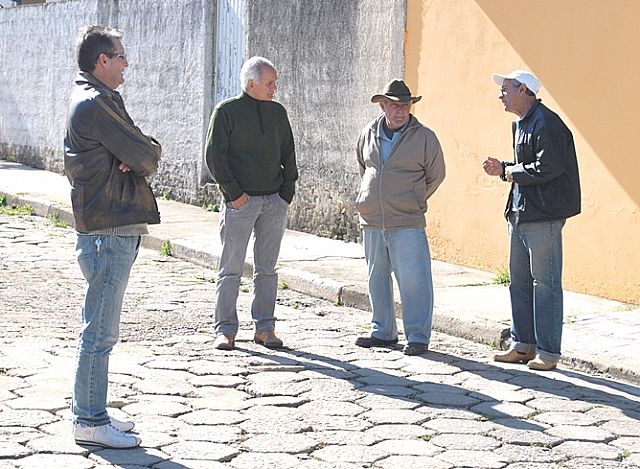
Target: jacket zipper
x=382 y=165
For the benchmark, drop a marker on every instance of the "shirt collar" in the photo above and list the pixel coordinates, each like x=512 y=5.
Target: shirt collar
x=380 y=129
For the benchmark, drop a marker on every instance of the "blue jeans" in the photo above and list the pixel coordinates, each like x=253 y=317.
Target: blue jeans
x=105 y=262
x=266 y=217
x=404 y=252
x=535 y=265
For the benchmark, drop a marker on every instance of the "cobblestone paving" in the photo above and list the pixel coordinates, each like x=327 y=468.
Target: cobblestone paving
x=320 y=403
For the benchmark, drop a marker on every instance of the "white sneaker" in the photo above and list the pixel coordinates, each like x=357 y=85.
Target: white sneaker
x=122 y=425
x=106 y=436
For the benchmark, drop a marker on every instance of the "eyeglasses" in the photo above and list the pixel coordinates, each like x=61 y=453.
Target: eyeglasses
x=112 y=55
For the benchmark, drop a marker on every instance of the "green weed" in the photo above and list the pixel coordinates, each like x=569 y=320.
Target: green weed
x=25 y=210
x=165 y=249
x=623 y=455
x=55 y=221
x=502 y=277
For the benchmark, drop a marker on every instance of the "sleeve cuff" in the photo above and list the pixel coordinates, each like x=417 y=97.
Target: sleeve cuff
x=503 y=176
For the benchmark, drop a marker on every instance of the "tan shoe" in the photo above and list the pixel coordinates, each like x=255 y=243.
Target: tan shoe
x=224 y=342
x=541 y=364
x=268 y=339
x=513 y=356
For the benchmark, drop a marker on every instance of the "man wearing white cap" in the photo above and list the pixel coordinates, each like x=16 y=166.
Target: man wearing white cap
x=545 y=191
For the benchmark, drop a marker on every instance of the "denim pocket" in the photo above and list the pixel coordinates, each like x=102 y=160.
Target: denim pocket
x=88 y=249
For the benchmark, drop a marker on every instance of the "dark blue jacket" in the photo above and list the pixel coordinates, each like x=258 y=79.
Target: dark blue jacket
x=545 y=167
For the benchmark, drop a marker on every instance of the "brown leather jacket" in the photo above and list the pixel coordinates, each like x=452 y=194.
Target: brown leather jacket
x=100 y=135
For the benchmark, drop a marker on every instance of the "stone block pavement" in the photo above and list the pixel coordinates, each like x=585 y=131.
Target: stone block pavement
x=319 y=403
x=600 y=335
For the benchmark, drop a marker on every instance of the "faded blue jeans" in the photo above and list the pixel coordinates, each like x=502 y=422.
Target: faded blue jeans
x=535 y=265
x=105 y=262
x=266 y=217
x=405 y=252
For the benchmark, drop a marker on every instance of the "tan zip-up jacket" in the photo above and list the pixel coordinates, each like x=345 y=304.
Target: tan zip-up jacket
x=394 y=195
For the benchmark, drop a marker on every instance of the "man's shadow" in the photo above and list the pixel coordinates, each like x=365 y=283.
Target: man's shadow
x=133 y=457
x=442 y=396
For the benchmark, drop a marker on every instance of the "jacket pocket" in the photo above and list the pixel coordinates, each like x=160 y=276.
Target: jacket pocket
x=420 y=193
x=365 y=202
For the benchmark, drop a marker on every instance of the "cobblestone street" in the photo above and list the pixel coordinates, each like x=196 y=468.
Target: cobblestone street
x=320 y=403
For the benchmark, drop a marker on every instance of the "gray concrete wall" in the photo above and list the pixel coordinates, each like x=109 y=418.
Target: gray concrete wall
x=331 y=55
x=170 y=44
x=37 y=67
x=168 y=83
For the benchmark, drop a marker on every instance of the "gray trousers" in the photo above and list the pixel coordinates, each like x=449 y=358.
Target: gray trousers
x=266 y=217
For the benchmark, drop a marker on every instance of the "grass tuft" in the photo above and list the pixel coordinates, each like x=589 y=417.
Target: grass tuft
x=502 y=278
x=165 y=249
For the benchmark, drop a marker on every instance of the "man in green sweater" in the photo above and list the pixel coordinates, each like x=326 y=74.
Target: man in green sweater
x=251 y=155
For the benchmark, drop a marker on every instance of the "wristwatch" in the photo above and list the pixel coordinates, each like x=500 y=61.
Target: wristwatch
x=503 y=176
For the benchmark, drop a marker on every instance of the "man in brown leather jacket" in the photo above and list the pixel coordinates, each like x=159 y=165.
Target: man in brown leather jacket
x=106 y=161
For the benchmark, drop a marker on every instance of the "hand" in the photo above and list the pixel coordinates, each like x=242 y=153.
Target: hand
x=492 y=166
x=124 y=168
x=240 y=201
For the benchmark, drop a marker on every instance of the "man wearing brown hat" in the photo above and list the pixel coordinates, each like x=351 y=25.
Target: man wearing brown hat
x=401 y=166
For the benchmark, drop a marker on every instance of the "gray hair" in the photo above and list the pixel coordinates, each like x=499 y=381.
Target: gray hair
x=528 y=92
x=93 y=41
x=252 y=70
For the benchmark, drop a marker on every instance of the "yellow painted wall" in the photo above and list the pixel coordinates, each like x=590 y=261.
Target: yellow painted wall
x=587 y=55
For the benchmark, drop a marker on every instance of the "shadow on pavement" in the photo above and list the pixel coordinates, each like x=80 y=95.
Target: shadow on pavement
x=441 y=395
x=134 y=457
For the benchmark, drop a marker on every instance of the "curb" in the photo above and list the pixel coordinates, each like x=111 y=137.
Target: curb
x=43 y=208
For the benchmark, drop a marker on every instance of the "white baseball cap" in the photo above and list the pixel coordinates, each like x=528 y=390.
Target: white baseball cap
x=522 y=76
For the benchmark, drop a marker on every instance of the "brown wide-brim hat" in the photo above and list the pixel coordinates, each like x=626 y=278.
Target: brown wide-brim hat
x=396 y=90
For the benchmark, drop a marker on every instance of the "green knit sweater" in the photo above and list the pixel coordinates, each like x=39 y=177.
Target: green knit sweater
x=250 y=148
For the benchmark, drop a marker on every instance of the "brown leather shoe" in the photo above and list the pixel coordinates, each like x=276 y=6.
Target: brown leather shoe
x=513 y=356
x=541 y=364
x=268 y=339
x=224 y=342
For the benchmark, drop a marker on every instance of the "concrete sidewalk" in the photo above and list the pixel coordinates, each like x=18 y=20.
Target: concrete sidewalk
x=600 y=335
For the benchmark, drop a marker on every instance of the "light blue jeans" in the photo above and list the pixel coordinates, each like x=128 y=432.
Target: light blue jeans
x=266 y=217
x=105 y=262
x=535 y=265
x=404 y=252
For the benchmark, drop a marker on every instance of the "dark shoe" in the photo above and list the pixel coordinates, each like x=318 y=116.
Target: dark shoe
x=513 y=356
x=415 y=348
x=540 y=364
x=224 y=342
x=368 y=342
x=268 y=339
